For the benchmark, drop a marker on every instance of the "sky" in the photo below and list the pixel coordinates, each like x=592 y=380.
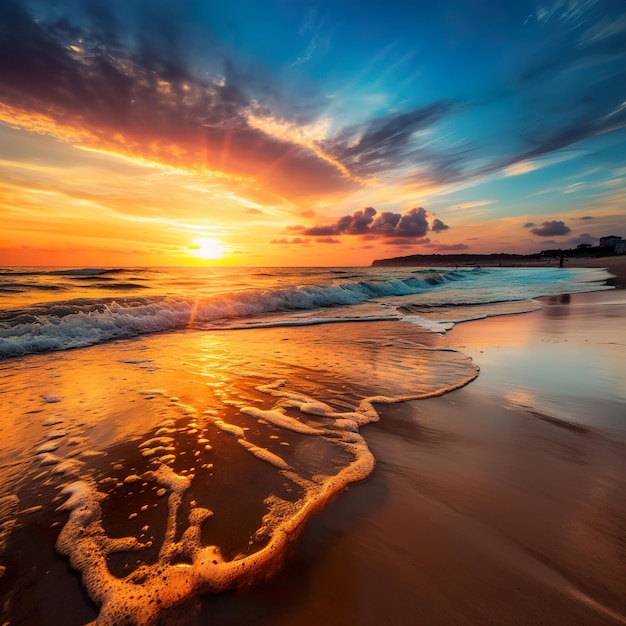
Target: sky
x=294 y=133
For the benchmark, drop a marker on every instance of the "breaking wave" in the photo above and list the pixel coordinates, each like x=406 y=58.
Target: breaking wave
x=82 y=322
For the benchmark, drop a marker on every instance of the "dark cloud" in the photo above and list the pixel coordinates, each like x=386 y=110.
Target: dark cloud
x=412 y=224
x=385 y=140
x=132 y=88
x=141 y=98
x=295 y=240
x=586 y=217
x=368 y=223
x=584 y=238
x=392 y=143
x=437 y=226
x=553 y=228
x=529 y=224
x=356 y=223
x=407 y=243
x=321 y=231
x=452 y=247
x=327 y=240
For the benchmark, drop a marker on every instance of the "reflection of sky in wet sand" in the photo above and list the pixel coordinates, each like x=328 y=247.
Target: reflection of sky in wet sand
x=567 y=361
x=169 y=444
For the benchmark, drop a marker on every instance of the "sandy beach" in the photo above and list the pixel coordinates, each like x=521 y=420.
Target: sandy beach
x=503 y=502
x=500 y=502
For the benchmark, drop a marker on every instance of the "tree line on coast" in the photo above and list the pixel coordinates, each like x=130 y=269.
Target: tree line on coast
x=497 y=259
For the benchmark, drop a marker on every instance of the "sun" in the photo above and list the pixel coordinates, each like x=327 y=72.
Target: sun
x=207 y=248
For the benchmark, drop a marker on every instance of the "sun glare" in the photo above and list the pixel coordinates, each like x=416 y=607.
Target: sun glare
x=207 y=248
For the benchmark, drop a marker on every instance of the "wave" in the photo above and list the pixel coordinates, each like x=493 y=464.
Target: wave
x=83 y=322
x=84 y=271
x=117 y=286
x=17 y=287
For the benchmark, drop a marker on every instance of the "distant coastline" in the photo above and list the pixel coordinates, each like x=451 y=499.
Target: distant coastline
x=497 y=259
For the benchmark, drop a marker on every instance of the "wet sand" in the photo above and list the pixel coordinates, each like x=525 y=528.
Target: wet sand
x=251 y=458
x=503 y=502
x=615 y=264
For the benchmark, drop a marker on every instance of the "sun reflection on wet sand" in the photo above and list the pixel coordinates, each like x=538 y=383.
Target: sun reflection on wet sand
x=133 y=438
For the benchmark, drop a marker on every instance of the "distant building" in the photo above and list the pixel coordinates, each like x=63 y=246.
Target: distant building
x=610 y=242
x=620 y=247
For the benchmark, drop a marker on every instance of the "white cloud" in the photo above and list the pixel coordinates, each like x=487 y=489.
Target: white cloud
x=470 y=205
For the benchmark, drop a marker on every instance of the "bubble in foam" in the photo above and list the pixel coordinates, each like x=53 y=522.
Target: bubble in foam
x=49 y=459
x=68 y=467
x=157 y=441
x=157 y=450
x=166 y=459
x=165 y=431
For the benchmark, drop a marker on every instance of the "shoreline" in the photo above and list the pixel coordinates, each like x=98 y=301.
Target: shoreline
x=484 y=508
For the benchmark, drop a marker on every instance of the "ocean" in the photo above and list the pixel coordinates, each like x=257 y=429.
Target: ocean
x=167 y=433
x=62 y=308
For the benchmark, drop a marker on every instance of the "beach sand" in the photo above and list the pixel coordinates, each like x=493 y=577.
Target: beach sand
x=502 y=502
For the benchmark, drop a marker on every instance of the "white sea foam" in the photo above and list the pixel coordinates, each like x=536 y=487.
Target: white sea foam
x=232 y=429
x=133 y=599
x=84 y=540
x=49 y=459
x=264 y=454
x=431 y=325
x=278 y=418
x=68 y=467
x=156 y=441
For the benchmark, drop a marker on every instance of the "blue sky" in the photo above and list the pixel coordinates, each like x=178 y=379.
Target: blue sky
x=266 y=122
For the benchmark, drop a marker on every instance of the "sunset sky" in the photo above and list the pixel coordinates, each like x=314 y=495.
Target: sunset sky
x=285 y=132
